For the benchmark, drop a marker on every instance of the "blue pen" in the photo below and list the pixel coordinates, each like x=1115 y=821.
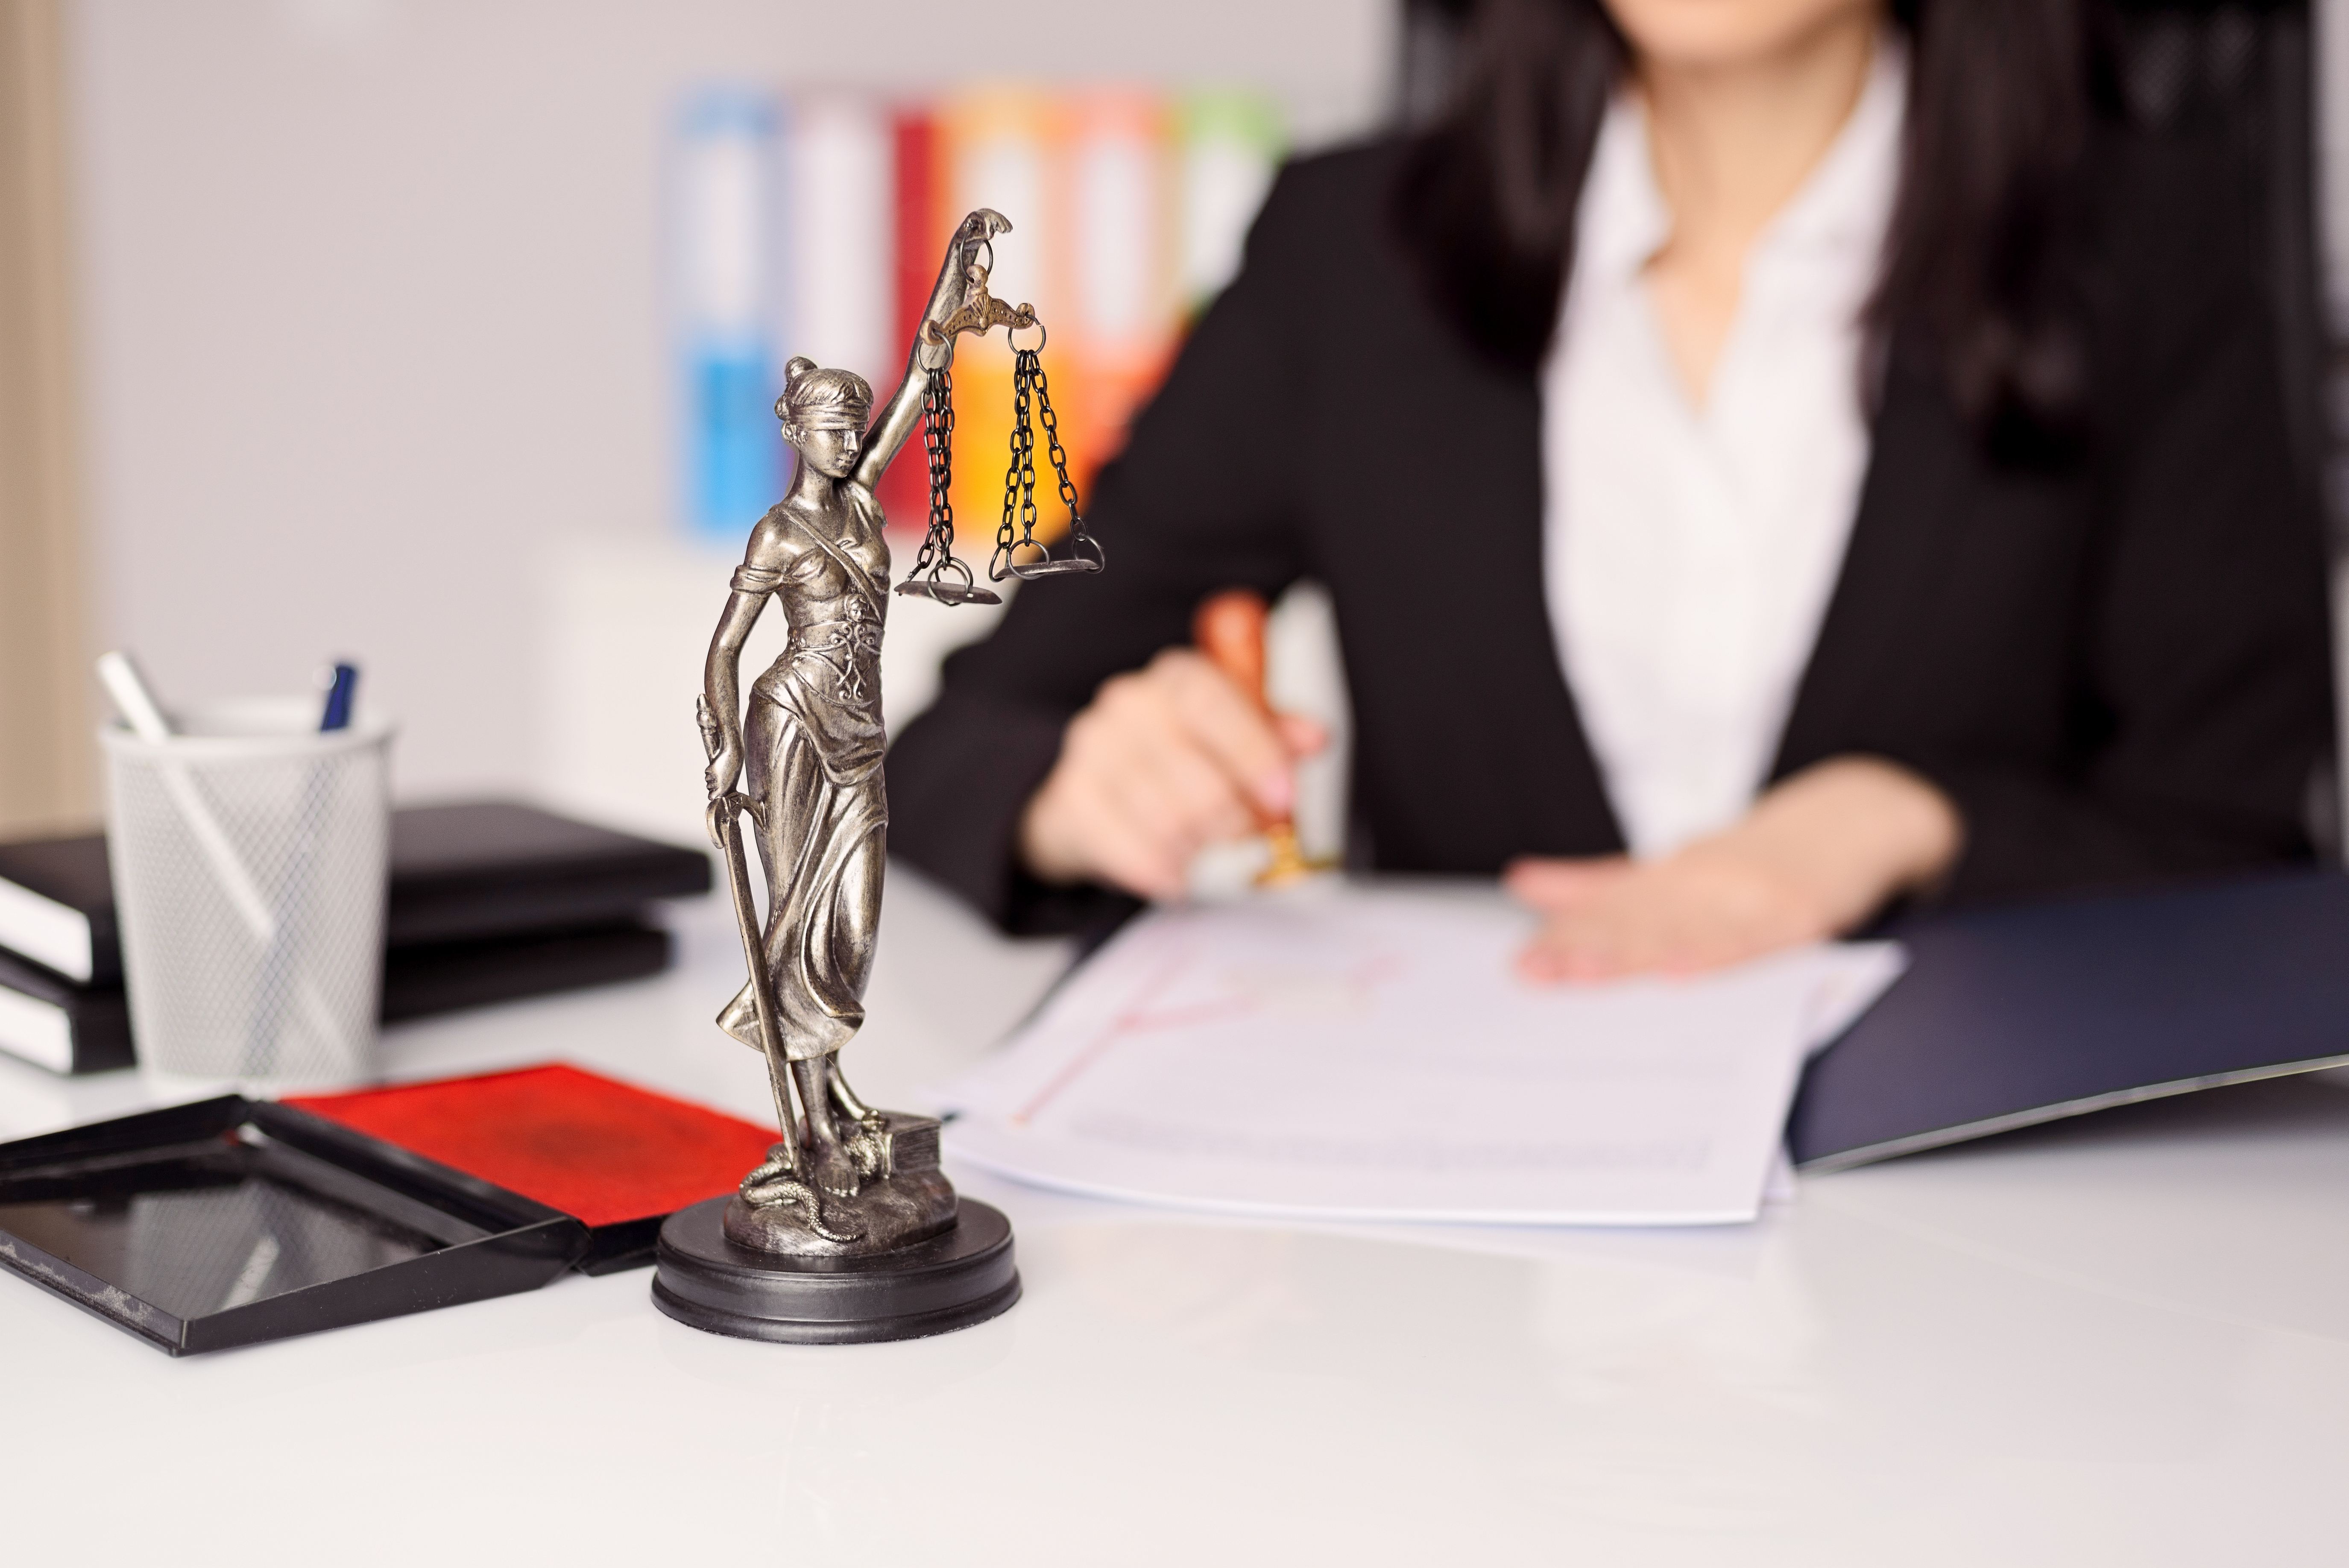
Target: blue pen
x=339 y=698
x=272 y=995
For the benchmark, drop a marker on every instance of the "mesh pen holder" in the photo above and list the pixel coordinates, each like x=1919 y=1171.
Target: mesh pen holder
x=249 y=855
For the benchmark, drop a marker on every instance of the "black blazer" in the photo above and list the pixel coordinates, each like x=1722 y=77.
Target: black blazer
x=2117 y=668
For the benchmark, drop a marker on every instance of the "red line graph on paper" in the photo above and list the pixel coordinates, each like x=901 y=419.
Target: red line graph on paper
x=1141 y=1016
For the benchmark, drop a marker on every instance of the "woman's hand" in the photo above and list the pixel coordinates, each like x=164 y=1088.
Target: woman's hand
x=1815 y=857
x=1164 y=761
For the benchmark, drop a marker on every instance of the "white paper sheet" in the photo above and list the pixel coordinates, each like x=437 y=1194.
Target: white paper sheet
x=1368 y=1053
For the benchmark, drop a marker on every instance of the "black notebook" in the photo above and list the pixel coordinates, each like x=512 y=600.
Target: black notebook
x=70 y=1028
x=2007 y=1017
x=460 y=871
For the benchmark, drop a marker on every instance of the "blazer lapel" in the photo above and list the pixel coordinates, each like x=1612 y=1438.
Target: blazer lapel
x=1573 y=815
x=1918 y=471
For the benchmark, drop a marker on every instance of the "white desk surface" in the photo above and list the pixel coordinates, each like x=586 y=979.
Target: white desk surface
x=2122 y=1341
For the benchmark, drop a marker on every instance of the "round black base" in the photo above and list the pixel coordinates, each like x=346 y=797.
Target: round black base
x=949 y=1281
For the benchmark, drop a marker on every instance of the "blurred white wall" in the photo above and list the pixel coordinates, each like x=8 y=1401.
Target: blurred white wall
x=373 y=323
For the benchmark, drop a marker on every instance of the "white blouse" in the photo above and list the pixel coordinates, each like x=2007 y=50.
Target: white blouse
x=1689 y=552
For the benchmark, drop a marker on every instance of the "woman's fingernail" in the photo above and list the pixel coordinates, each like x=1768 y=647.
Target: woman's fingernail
x=1275 y=791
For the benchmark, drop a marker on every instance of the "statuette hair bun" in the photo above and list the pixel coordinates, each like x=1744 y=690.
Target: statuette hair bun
x=813 y=396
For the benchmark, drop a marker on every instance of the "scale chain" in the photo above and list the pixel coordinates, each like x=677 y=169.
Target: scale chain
x=1052 y=438
x=938 y=443
x=1019 y=479
x=1031 y=403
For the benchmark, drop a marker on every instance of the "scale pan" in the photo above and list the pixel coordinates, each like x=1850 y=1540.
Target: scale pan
x=1054 y=569
x=946 y=593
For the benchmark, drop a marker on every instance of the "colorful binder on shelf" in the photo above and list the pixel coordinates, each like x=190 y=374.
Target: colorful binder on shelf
x=837 y=237
x=1120 y=324
x=917 y=201
x=1230 y=145
x=721 y=286
x=1000 y=147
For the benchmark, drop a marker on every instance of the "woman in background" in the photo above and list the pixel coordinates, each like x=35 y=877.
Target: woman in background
x=1768 y=458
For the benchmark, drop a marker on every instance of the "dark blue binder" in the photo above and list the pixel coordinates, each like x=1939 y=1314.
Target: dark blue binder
x=2022 y=1014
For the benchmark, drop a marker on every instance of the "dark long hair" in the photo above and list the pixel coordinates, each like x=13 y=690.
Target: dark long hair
x=1980 y=275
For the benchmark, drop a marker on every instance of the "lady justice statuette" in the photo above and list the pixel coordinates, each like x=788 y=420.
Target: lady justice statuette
x=849 y=1230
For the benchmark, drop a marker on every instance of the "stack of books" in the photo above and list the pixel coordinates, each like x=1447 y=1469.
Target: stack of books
x=489 y=901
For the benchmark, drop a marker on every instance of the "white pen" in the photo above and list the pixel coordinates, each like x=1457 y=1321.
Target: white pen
x=130 y=690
